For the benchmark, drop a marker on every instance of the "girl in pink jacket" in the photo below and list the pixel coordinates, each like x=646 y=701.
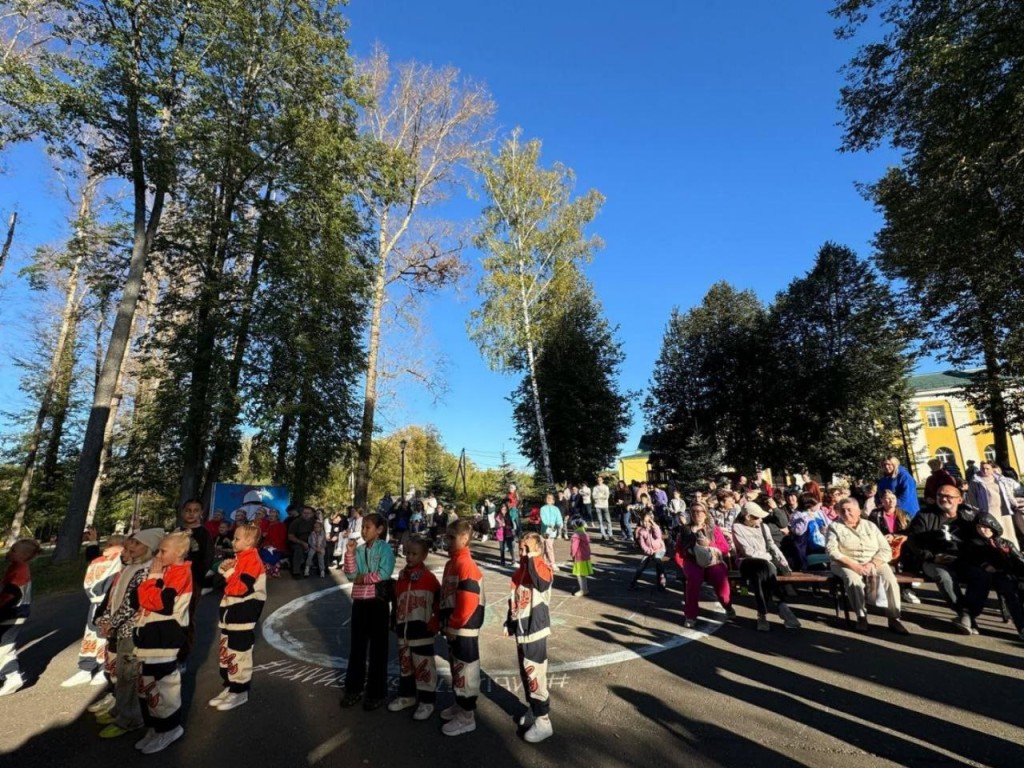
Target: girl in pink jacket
x=648 y=537
x=579 y=548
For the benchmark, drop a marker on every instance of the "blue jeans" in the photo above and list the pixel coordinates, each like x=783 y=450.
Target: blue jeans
x=627 y=524
x=604 y=521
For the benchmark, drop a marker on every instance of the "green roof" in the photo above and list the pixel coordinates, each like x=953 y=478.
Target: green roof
x=637 y=455
x=941 y=380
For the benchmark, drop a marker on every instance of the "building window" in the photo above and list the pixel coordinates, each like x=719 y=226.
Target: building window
x=990 y=454
x=936 y=415
x=983 y=419
x=946 y=456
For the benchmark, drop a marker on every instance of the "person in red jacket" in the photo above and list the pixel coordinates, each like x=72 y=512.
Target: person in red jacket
x=462 y=615
x=15 y=605
x=245 y=592
x=417 y=599
x=162 y=605
x=275 y=542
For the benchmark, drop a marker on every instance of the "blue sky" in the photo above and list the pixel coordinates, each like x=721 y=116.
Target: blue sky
x=709 y=126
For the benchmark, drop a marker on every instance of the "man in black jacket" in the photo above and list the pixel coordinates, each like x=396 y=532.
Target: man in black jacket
x=935 y=537
x=298 y=539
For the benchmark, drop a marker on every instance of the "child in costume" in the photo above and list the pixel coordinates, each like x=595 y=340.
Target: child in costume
x=15 y=606
x=462 y=615
x=245 y=592
x=162 y=605
x=417 y=599
x=529 y=620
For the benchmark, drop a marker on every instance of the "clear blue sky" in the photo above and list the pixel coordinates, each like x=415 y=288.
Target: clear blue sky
x=710 y=127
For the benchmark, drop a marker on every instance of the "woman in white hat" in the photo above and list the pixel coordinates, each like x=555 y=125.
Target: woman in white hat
x=761 y=561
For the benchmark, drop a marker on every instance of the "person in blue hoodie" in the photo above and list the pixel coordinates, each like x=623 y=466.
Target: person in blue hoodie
x=897 y=479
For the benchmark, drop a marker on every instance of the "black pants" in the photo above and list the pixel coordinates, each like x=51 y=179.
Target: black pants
x=760 y=578
x=659 y=568
x=980 y=582
x=369 y=637
x=298 y=558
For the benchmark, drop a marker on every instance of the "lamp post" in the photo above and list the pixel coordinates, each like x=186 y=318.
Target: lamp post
x=401 y=444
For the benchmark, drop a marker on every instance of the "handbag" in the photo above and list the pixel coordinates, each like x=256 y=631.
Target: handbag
x=705 y=556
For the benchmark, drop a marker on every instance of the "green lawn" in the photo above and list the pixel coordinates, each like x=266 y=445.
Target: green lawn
x=50 y=579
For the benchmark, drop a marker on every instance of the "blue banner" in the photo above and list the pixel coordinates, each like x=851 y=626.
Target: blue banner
x=228 y=497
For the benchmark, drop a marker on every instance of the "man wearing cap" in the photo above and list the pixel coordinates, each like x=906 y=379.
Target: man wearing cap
x=859 y=553
x=935 y=537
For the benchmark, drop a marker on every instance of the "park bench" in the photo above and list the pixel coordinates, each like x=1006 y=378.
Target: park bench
x=828 y=580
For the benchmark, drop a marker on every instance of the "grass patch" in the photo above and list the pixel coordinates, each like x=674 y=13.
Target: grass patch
x=50 y=578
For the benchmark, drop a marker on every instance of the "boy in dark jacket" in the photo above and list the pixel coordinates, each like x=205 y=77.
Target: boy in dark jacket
x=992 y=562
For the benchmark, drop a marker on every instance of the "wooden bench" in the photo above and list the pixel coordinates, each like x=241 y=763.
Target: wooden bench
x=837 y=593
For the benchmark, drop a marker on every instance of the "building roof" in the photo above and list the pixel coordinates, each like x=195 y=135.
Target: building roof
x=637 y=455
x=941 y=380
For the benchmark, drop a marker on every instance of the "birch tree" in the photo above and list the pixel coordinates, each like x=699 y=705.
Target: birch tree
x=533 y=235
x=423 y=127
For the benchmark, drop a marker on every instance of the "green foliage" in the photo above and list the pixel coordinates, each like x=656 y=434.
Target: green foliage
x=812 y=381
x=585 y=414
x=943 y=84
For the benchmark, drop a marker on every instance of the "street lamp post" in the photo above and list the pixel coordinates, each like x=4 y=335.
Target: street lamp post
x=401 y=444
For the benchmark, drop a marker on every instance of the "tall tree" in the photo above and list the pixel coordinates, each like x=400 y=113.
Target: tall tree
x=705 y=382
x=944 y=84
x=422 y=128
x=842 y=367
x=533 y=235
x=585 y=413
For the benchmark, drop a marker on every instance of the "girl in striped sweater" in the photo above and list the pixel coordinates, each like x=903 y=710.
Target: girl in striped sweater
x=162 y=604
x=369 y=566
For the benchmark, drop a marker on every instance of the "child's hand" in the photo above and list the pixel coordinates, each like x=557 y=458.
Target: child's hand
x=226 y=565
x=504 y=631
x=351 y=546
x=156 y=568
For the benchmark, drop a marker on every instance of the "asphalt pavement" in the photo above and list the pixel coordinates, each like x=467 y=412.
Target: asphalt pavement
x=630 y=688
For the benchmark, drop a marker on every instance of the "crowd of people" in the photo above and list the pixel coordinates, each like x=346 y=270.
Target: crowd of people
x=143 y=589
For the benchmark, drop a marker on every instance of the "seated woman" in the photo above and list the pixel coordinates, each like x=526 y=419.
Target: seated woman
x=807 y=528
x=988 y=561
x=894 y=524
x=701 y=551
x=760 y=562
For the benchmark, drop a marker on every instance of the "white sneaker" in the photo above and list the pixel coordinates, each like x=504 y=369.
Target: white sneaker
x=81 y=677
x=464 y=722
x=103 y=705
x=690 y=623
x=217 y=700
x=909 y=596
x=540 y=730
x=423 y=711
x=98 y=679
x=233 y=700
x=150 y=735
x=449 y=713
x=400 y=703
x=12 y=684
x=162 y=741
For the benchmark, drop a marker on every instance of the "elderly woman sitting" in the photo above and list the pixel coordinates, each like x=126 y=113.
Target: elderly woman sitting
x=859 y=552
x=760 y=562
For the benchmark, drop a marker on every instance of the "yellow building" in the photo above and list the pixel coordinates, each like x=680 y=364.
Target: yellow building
x=634 y=467
x=947 y=427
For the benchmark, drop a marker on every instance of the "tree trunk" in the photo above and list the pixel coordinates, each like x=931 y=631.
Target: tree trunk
x=227 y=419
x=370 y=393
x=284 y=434
x=299 y=478
x=7 y=242
x=531 y=360
x=59 y=407
x=65 y=338
x=69 y=540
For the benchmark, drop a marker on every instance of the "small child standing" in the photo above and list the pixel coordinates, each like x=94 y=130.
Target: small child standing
x=99 y=577
x=551 y=523
x=529 y=620
x=417 y=599
x=317 y=548
x=462 y=615
x=369 y=565
x=15 y=605
x=222 y=544
x=162 y=605
x=505 y=533
x=245 y=592
x=579 y=547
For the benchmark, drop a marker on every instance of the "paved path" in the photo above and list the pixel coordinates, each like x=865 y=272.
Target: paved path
x=723 y=696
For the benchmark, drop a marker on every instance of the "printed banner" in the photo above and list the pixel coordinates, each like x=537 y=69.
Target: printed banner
x=227 y=497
